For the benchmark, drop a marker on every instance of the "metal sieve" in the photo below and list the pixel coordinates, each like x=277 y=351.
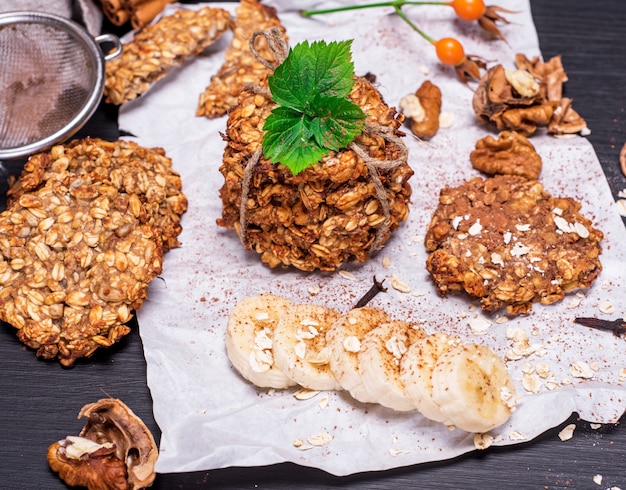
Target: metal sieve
x=51 y=80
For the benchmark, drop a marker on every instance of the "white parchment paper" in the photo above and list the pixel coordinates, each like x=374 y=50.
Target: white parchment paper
x=211 y=418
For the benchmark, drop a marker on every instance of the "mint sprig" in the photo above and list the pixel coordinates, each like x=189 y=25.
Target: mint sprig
x=314 y=114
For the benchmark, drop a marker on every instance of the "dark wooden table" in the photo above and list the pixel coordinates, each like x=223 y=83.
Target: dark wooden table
x=39 y=400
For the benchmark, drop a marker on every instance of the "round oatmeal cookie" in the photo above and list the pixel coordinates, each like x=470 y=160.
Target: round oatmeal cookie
x=341 y=209
x=144 y=174
x=74 y=262
x=508 y=242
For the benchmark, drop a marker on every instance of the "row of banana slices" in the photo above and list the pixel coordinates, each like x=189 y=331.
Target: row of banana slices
x=275 y=343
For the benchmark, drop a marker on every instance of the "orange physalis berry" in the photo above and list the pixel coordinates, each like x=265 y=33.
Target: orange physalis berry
x=450 y=51
x=469 y=10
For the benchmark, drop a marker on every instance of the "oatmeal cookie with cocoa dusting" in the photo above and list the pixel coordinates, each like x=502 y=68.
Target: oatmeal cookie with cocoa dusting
x=508 y=242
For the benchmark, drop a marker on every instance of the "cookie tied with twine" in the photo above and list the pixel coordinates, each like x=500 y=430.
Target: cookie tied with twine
x=341 y=209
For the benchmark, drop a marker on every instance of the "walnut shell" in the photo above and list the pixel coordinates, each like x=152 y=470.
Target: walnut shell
x=122 y=454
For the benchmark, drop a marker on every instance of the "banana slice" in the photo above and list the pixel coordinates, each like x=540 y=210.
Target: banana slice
x=300 y=349
x=379 y=364
x=416 y=369
x=473 y=388
x=344 y=340
x=249 y=339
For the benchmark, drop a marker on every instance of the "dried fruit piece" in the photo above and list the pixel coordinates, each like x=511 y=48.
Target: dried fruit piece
x=510 y=154
x=114 y=450
x=158 y=48
x=423 y=110
x=622 y=159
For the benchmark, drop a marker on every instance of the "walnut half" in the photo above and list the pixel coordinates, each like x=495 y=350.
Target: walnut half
x=114 y=450
x=510 y=154
x=423 y=109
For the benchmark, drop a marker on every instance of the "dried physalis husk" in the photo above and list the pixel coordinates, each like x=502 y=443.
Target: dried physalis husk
x=510 y=154
x=422 y=110
x=114 y=450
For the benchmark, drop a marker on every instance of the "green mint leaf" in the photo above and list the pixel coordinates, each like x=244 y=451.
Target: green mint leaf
x=311 y=70
x=314 y=114
x=336 y=122
x=287 y=140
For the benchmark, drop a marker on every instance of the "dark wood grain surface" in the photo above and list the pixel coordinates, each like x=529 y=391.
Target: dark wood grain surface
x=39 y=401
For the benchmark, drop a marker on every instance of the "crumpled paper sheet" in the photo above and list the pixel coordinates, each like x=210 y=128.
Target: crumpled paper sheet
x=211 y=418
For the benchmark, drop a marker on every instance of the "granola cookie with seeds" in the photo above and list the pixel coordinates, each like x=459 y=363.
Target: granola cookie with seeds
x=158 y=48
x=74 y=262
x=240 y=66
x=343 y=208
x=144 y=175
x=508 y=242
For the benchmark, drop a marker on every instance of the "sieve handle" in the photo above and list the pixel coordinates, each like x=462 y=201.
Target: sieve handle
x=113 y=39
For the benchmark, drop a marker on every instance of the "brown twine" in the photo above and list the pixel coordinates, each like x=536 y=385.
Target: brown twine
x=280 y=49
x=277 y=44
x=373 y=166
x=245 y=188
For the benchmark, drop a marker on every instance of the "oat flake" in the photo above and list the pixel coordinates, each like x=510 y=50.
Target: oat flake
x=300 y=445
x=531 y=382
x=398 y=452
x=483 y=441
x=567 y=432
x=551 y=385
x=347 y=275
x=399 y=285
x=516 y=435
x=319 y=439
x=607 y=308
x=324 y=402
x=479 y=325
x=580 y=369
x=305 y=394
x=574 y=303
x=542 y=369
x=475 y=229
x=352 y=344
